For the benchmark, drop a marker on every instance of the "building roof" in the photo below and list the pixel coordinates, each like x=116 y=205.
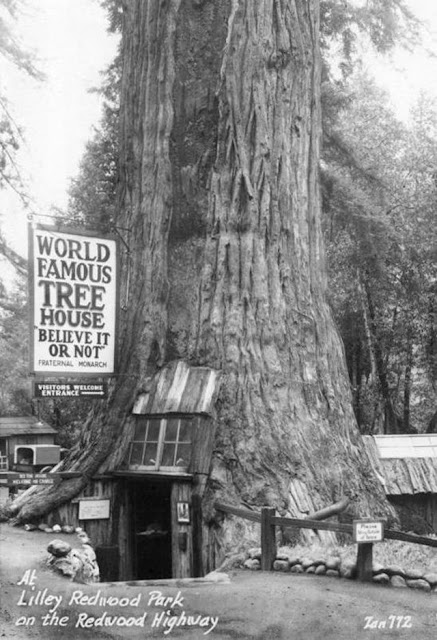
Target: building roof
x=405 y=464
x=24 y=426
x=179 y=388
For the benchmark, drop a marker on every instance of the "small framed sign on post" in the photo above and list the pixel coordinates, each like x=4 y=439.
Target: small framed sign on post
x=183 y=509
x=365 y=533
x=368 y=530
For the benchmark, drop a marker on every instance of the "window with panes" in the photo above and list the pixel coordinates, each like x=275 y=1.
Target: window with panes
x=161 y=444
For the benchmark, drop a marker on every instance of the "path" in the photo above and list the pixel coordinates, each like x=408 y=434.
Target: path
x=254 y=606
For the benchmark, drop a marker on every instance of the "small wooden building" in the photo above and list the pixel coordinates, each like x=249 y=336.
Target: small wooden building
x=407 y=467
x=145 y=517
x=25 y=430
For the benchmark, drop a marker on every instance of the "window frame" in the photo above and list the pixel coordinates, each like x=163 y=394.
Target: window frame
x=158 y=467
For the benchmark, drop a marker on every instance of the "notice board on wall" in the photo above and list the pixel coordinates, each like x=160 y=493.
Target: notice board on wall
x=94 y=509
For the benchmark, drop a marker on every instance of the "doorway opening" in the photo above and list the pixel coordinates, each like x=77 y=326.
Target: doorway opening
x=151 y=529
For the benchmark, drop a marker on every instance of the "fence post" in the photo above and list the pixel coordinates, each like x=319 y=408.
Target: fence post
x=365 y=561
x=268 y=539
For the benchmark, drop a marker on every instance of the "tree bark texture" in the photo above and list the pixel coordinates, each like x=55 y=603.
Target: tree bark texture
x=223 y=261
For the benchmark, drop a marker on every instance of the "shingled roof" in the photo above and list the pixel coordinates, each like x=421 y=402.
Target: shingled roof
x=405 y=464
x=24 y=426
x=179 y=388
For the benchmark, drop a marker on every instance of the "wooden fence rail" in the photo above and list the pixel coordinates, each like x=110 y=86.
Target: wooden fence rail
x=269 y=521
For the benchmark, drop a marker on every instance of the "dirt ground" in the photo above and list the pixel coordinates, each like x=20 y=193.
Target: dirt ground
x=253 y=606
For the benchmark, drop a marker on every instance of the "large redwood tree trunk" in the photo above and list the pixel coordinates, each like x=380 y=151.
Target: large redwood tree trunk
x=220 y=211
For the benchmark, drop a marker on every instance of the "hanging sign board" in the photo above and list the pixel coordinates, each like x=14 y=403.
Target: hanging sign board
x=31 y=479
x=98 y=390
x=368 y=530
x=73 y=302
x=90 y=509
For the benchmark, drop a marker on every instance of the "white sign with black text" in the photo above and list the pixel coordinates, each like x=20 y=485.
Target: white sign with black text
x=73 y=293
x=94 y=509
x=368 y=530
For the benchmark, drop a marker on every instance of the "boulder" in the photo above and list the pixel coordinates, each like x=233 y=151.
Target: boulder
x=79 y=564
x=68 y=566
x=398 y=581
x=217 y=576
x=30 y=527
x=297 y=568
x=307 y=562
x=420 y=584
x=348 y=569
x=253 y=564
x=83 y=537
x=88 y=571
x=311 y=569
x=381 y=578
x=377 y=568
x=320 y=570
x=349 y=574
x=67 y=528
x=332 y=573
x=281 y=565
x=282 y=556
x=395 y=570
x=414 y=574
x=431 y=578
x=59 y=548
x=56 y=528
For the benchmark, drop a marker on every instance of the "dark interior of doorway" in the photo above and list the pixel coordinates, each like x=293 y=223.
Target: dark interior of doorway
x=151 y=528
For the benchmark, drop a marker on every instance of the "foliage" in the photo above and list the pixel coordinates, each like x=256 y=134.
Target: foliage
x=93 y=192
x=15 y=398
x=14 y=386
x=379 y=196
x=15 y=54
x=384 y=23
x=114 y=11
x=10 y=46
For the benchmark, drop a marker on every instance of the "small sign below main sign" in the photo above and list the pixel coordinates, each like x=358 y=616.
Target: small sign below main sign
x=97 y=390
x=31 y=479
x=368 y=530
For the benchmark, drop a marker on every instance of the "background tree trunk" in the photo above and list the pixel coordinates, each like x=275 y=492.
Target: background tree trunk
x=220 y=211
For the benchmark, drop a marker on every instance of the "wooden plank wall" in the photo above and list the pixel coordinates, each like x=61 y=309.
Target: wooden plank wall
x=182 y=561
x=99 y=531
x=123 y=534
x=202 y=444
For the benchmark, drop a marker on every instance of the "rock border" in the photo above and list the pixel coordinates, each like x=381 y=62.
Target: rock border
x=335 y=567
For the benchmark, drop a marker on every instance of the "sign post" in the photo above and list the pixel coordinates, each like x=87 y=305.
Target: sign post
x=365 y=533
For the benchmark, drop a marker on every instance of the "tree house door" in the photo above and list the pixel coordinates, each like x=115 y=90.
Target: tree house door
x=151 y=529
